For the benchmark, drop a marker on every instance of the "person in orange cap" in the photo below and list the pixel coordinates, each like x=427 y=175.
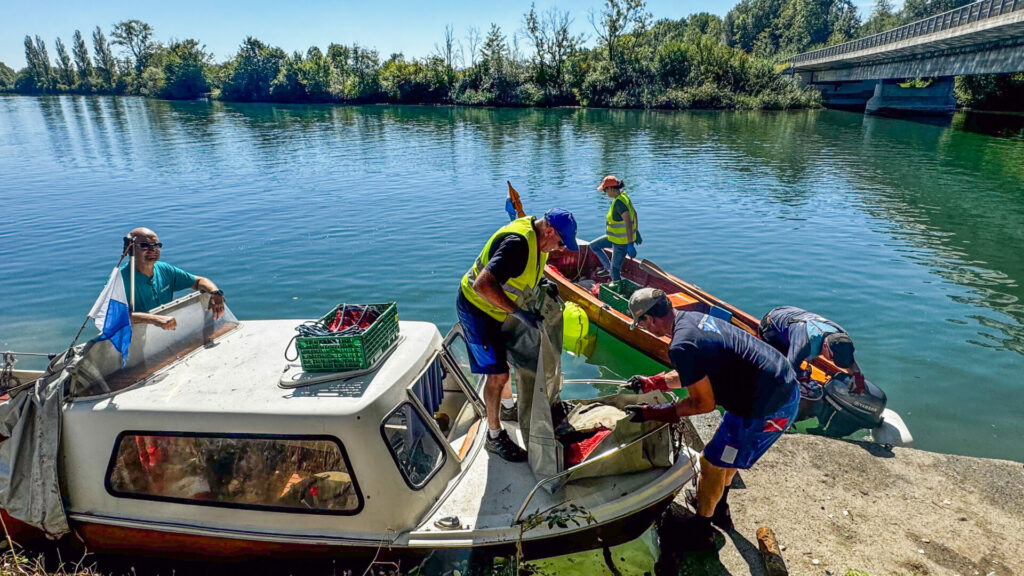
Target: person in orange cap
x=621 y=232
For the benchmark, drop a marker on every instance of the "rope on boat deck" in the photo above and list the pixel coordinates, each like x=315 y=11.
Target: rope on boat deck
x=7 y=373
x=317 y=329
x=383 y=539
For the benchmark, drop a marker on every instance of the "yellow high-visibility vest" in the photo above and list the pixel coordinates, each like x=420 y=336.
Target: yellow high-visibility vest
x=515 y=287
x=616 y=231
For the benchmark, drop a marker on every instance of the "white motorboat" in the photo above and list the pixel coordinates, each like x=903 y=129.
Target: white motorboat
x=210 y=444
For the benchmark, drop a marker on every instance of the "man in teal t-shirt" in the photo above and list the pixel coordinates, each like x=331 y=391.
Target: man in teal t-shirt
x=156 y=282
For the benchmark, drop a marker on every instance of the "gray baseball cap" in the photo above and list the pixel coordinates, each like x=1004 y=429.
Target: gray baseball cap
x=642 y=301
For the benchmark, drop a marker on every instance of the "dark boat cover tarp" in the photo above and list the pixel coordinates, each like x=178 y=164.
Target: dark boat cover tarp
x=536 y=358
x=29 y=457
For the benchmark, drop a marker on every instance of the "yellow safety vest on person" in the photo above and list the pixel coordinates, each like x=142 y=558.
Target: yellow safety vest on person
x=515 y=287
x=616 y=231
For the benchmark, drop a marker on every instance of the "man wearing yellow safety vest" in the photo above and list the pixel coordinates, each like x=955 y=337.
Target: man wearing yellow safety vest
x=510 y=265
x=621 y=233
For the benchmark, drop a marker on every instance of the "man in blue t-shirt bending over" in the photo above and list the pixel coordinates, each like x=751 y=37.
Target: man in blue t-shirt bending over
x=156 y=282
x=719 y=364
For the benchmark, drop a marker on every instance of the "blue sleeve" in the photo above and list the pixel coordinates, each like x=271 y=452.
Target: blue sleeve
x=799 y=345
x=686 y=361
x=180 y=280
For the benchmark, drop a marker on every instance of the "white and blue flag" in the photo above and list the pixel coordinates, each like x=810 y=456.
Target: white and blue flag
x=113 y=319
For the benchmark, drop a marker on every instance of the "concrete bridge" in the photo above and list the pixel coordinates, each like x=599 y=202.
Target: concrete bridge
x=985 y=37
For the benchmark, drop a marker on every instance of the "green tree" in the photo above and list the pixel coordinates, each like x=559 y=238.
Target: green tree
x=255 y=68
x=495 y=79
x=553 y=45
x=991 y=91
x=135 y=36
x=287 y=85
x=414 y=81
x=183 y=69
x=703 y=24
x=103 y=56
x=769 y=28
x=356 y=68
x=618 y=18
x=882 y=18
x=672 y=64
x=309 y=78
x=7 y=78
x=65 y=70
x=919 y=9
x=83 y=66
x=495 y=48
x=448 y=54
x=38 y=72
x=150 y=83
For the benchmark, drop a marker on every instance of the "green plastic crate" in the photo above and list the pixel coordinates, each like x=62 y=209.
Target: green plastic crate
x=343 y=353
x=618 y=296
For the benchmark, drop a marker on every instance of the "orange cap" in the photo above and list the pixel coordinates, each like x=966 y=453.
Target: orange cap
x=611 y=182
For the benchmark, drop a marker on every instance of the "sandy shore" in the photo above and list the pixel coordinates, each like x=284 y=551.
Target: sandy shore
x=837 y=506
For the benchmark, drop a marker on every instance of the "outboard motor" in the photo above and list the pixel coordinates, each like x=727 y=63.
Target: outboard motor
x=843 y=411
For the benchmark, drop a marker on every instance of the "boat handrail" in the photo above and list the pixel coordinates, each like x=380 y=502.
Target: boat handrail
x=584 y=464
x=11 y=380
x=621 y=383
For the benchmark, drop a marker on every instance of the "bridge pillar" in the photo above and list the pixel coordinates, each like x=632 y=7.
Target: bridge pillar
x=847 y=95
x=891 y=99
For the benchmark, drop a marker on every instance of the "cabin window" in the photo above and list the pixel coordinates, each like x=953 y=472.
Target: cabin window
x=284 y=473
x=456 y=346
x=416 y=451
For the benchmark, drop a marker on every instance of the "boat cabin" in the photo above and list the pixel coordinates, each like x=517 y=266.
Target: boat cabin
x=209 y=415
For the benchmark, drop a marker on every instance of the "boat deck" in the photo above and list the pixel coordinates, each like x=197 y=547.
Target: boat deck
x=490 y=495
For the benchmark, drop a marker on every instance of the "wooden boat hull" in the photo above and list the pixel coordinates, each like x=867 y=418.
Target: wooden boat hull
x=566 y=268
x=132 y=541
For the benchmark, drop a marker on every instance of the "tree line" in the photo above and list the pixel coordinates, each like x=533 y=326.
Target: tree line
x=179 y=69
x=634 y=61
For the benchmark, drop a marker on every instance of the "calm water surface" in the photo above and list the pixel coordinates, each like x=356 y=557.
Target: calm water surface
x=910 y=235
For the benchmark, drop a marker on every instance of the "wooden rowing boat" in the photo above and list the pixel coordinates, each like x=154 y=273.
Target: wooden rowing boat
x=575 y=274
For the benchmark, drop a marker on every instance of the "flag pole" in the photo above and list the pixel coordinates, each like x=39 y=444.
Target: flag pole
x=131 y=302
x=124 y=253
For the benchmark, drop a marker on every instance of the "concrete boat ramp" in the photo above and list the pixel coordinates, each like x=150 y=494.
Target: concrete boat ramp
x=837 y=506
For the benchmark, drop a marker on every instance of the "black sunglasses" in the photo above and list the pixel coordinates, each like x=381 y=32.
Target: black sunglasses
x=559 y=236
x=151 y=245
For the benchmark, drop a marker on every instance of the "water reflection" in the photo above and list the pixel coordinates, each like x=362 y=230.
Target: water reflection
x=1004 y=125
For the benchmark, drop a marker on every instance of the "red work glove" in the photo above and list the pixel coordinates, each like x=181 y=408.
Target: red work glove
x=645 y=384
x=858 y=383
x=660 y=413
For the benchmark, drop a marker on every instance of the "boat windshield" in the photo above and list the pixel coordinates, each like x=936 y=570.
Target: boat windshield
x=100 y=370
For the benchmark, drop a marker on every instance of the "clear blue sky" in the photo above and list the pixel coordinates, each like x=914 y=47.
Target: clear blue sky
x=404 y=26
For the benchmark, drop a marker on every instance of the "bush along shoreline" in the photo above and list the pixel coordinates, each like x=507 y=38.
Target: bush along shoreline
x=631 y=61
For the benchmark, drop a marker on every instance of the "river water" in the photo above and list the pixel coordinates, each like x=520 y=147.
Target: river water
x=911 y=235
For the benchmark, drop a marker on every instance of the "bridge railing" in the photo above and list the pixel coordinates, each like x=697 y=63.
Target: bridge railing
x=952 y=19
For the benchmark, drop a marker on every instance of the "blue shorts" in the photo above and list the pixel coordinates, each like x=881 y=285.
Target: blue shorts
x=739 y=442
x=485 y=340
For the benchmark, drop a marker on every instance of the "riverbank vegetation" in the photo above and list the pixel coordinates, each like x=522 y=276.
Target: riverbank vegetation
x=630 y=61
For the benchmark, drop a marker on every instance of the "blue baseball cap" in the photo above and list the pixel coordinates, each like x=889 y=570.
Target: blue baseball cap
x=563 y=223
